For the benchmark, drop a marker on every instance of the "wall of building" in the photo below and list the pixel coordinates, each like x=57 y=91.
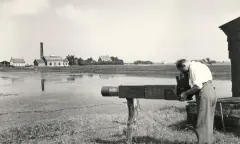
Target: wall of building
x=65 y=64
x=17 y=64
x=55 y=64
x=41 y=64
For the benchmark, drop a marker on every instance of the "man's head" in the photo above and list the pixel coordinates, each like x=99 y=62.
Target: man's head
x=182 y=65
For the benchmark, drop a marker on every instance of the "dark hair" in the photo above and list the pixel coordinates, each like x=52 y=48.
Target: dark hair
x=179 y=63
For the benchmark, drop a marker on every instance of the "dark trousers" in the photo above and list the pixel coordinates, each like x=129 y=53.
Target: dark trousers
x=206 y=103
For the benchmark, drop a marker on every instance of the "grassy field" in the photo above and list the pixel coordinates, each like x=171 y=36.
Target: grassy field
x=218 y=71
x=166 y=126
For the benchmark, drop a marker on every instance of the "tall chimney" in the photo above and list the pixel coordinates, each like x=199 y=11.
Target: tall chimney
x=41 y=50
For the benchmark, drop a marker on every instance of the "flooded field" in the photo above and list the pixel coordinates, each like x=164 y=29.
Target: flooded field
x=27 y=91
x=29 y=98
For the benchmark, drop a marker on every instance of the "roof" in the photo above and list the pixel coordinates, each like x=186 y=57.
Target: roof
x=105 y=58
x=65 y=60
x=234 y=21
x=17 y=60
x=53 y=58
x=39 y=61
x=233 y=24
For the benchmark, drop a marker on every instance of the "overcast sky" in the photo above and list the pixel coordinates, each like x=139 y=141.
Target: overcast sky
x=153 y=30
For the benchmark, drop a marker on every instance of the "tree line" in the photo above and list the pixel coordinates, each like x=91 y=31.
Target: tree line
x=142 y=62
x=205 y=61
x=73 y=60
x=208 y=61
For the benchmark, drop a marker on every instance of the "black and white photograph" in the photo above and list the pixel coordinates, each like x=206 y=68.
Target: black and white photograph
x=119 y=71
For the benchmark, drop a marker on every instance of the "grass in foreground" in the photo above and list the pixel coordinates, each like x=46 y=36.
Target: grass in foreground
x=160 y=126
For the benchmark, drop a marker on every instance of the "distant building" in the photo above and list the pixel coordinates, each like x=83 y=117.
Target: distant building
x=4 y=63
x=55 y=61
x=19 y=62
x=50 y=61
x=39 y=62
x=65 y=62
x=105 y=58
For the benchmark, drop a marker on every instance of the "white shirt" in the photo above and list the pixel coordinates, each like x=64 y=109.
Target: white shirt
x=198 y=74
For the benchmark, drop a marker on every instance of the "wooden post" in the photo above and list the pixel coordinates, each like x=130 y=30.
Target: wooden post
x=221 y=111
x=131 y=113
x=136 y=109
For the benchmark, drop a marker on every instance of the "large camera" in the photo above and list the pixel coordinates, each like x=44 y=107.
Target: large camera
x=167 y=92
x=183 y=84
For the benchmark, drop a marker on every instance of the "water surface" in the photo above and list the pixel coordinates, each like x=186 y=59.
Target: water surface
x=36 y=84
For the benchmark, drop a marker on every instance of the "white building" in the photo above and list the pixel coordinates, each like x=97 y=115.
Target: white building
x=105 y=58
x=54 y=61
x=18 y=62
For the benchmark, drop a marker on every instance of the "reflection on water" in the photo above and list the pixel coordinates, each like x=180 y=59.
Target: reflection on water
x=90 y=75
x=76 y=75
x=57 y=83
x=70 y=78
x=12 y=79
x=4 y=77
x=43 y=84
x=106 y=76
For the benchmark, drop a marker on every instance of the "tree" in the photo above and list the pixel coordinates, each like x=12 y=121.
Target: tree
x=116 y=60
x=142 y=62
x=75 y=61
x=89 y=61
x=71 y=59
x=81 y=61
x=99 y=61
x=94 y=62
x=121 y=62
x=208 y=60
x=212 y=62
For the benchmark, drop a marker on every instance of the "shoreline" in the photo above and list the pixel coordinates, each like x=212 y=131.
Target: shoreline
x=219 y=72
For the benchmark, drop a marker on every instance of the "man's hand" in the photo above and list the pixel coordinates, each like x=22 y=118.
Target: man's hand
x=183 y=96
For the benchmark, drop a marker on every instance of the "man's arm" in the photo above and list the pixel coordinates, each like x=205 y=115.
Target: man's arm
x=185 y=95
x=193 y=90
x=195 y=76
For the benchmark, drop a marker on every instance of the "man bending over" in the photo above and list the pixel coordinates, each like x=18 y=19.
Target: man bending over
x=200 y=80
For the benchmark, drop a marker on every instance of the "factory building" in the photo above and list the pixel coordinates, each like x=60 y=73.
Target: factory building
x=50 y=61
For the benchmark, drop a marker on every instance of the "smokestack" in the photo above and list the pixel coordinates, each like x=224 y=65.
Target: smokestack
x=41 y=50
